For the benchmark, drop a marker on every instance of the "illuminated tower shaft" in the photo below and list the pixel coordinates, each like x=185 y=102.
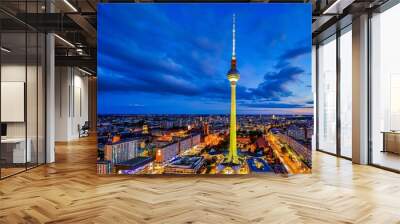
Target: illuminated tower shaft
x=233 y=77
x=232 y=156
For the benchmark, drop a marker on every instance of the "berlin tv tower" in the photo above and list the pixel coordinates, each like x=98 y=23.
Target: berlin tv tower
x=233 y=77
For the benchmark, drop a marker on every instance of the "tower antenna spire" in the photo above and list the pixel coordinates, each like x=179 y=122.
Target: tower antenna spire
x=234 y=35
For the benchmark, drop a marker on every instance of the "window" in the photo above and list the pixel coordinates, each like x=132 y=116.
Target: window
x=327 y=95
x=346 y=92
x=385 y=89
x=23 y=89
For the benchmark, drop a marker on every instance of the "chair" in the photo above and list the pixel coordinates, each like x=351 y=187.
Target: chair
x=84 y=130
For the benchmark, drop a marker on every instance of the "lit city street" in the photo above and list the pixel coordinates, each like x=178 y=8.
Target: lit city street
x=287 y=156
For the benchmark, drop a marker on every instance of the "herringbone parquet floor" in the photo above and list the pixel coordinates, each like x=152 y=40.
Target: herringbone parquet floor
x=69 y=191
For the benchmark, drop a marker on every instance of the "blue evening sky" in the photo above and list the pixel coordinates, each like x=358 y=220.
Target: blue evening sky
x=173 y=58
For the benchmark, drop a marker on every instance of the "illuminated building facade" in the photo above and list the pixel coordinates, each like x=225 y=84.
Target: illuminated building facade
x=170 y=150
x=184 y=165
x=121 y=151
x=206 y=129
x=145 y=129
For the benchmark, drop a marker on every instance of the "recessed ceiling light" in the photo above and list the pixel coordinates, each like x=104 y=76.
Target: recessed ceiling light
x=84 y=71
x=5 y=50
x=70 y=5
x=64 y=40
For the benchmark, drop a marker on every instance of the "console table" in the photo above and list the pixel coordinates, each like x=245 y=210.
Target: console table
x=391 y=141
x=13 y=150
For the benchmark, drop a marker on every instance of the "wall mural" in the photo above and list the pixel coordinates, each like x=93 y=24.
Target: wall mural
x=204 y=88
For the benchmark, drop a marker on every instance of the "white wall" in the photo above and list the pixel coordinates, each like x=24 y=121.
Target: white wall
x=62 y=82
x=80 y=110
x=71 y=103
x=15 y=72
x=12 y=73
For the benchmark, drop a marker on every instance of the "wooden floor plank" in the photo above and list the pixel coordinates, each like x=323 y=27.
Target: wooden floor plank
x=70 y=191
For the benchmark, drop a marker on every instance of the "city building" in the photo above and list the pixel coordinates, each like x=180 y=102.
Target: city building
x=243 y=142
x=121 y=151
x=170 y=150
x=206 y=129
x=184 y=165
x=297 y=132
x=145 y=129
x=133 y=165
x=167 y=152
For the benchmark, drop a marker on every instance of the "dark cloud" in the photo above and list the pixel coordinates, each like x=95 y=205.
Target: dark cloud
x=274 y=84
x=273 y=105
x=290 y=54
x=162 y=75
x=282 y=64
x=156 y=84
x=284 y=59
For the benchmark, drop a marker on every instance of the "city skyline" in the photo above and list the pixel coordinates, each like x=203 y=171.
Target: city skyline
x=182 y=69
x=187 y=144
